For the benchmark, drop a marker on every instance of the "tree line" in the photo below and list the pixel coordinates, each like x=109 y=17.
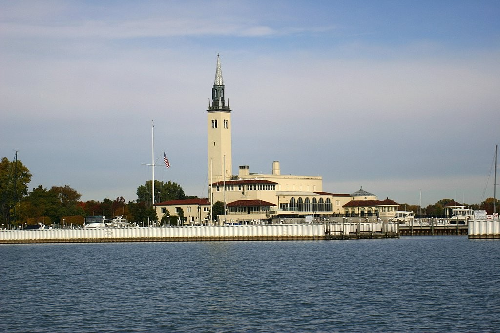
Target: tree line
x=438 y=209
x=61 y=205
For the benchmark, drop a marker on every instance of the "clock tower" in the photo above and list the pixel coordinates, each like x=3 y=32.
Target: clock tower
x=219 y=132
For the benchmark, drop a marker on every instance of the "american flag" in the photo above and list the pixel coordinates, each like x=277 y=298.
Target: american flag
x=165 y=159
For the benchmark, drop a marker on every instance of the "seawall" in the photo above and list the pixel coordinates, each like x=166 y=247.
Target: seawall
x=203 y=233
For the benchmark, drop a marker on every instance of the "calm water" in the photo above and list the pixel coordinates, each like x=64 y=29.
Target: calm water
x=420 y=284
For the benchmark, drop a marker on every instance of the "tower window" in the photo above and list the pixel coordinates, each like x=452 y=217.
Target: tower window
x=214 y=123
x=226 y=124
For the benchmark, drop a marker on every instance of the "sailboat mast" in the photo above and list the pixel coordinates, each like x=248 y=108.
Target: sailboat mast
x=153 y=163
x=495 y=183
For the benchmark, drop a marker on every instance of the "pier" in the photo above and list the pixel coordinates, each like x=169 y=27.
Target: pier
x=276 y=232
x=434 y=230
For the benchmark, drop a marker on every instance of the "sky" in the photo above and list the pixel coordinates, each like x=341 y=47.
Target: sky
x=399 y=97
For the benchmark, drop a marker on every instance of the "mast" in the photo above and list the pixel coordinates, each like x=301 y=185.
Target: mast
x=495 y=183
x=153 y=163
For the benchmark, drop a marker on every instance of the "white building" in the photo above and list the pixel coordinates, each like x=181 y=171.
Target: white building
x=249 y=197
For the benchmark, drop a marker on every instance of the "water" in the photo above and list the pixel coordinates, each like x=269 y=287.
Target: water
x=419 y=284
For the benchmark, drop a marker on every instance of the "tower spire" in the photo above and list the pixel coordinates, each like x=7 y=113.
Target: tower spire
x=218 y=74
x=218 y=99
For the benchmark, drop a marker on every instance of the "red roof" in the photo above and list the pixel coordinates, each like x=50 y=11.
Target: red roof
x=334 y=194
x=371 y=203
x=195 y=201
x=388 y=202
x=250 y=203
x=244 y=181
x=453 y=203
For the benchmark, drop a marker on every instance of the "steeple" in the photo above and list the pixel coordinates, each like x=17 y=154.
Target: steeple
x=218 y=99
x=218 y=74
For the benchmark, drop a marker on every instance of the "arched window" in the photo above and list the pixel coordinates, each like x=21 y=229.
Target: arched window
x=315 y=205
x=321 y=205
x=300 y=205
x=293 y=205
x=307 y=205
x=328 y=205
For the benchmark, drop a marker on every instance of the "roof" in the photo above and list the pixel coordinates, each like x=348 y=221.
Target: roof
x=371 y=203
x=453 y=203
x=250 y=203
x=334 y=194
x=388 y=202
x=244 y=181
x=195 y=201
x=218 y=74
x=362 y=193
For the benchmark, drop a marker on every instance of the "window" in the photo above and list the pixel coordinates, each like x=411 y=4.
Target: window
x=226 y=124
x=300 y=205
x=214 y=123
x=328 y=205
x=307 y=205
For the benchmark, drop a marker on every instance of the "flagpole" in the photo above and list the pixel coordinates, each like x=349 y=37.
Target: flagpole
x=211 y=194
x=224 y=172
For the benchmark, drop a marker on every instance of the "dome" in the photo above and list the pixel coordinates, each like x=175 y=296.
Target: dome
x=362 y=193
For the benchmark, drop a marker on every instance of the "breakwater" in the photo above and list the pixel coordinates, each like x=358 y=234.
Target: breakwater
x=484 y=229
x=203 y=233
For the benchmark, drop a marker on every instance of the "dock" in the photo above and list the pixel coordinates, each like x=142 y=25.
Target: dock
x=434 y=230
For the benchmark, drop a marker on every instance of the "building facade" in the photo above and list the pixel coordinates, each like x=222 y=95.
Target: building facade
x=250 y=197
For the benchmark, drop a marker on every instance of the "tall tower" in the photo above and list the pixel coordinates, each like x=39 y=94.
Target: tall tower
x=219 y=132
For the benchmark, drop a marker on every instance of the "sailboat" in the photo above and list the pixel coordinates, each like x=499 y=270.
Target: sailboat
x=486 y=226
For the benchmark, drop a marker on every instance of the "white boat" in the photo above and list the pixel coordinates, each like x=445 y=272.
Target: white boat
x=461 y=215
x=403 y=217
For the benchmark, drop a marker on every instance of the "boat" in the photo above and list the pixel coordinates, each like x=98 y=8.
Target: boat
x=403 y=217
x=484 y=225
x=461 y=215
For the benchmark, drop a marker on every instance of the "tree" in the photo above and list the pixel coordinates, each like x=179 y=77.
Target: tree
x=14 y=180
x=217 y=209
x=92 y=208
x=38 y=205
x=163 y=192
x=139 y=213
x=119 y=206
x=487 y=205
x=69 y=201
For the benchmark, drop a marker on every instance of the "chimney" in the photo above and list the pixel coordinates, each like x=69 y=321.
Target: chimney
x=244 y=171
x=276 y=168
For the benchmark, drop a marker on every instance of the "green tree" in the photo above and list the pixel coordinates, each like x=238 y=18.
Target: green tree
x=140 y=214
x=217 y=209
x=66 y=203
x=14 y=180
x=107 y=207
x=38 y=204
x=163 y=192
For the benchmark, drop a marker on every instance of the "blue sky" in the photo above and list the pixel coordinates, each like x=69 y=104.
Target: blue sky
x=399 y=97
